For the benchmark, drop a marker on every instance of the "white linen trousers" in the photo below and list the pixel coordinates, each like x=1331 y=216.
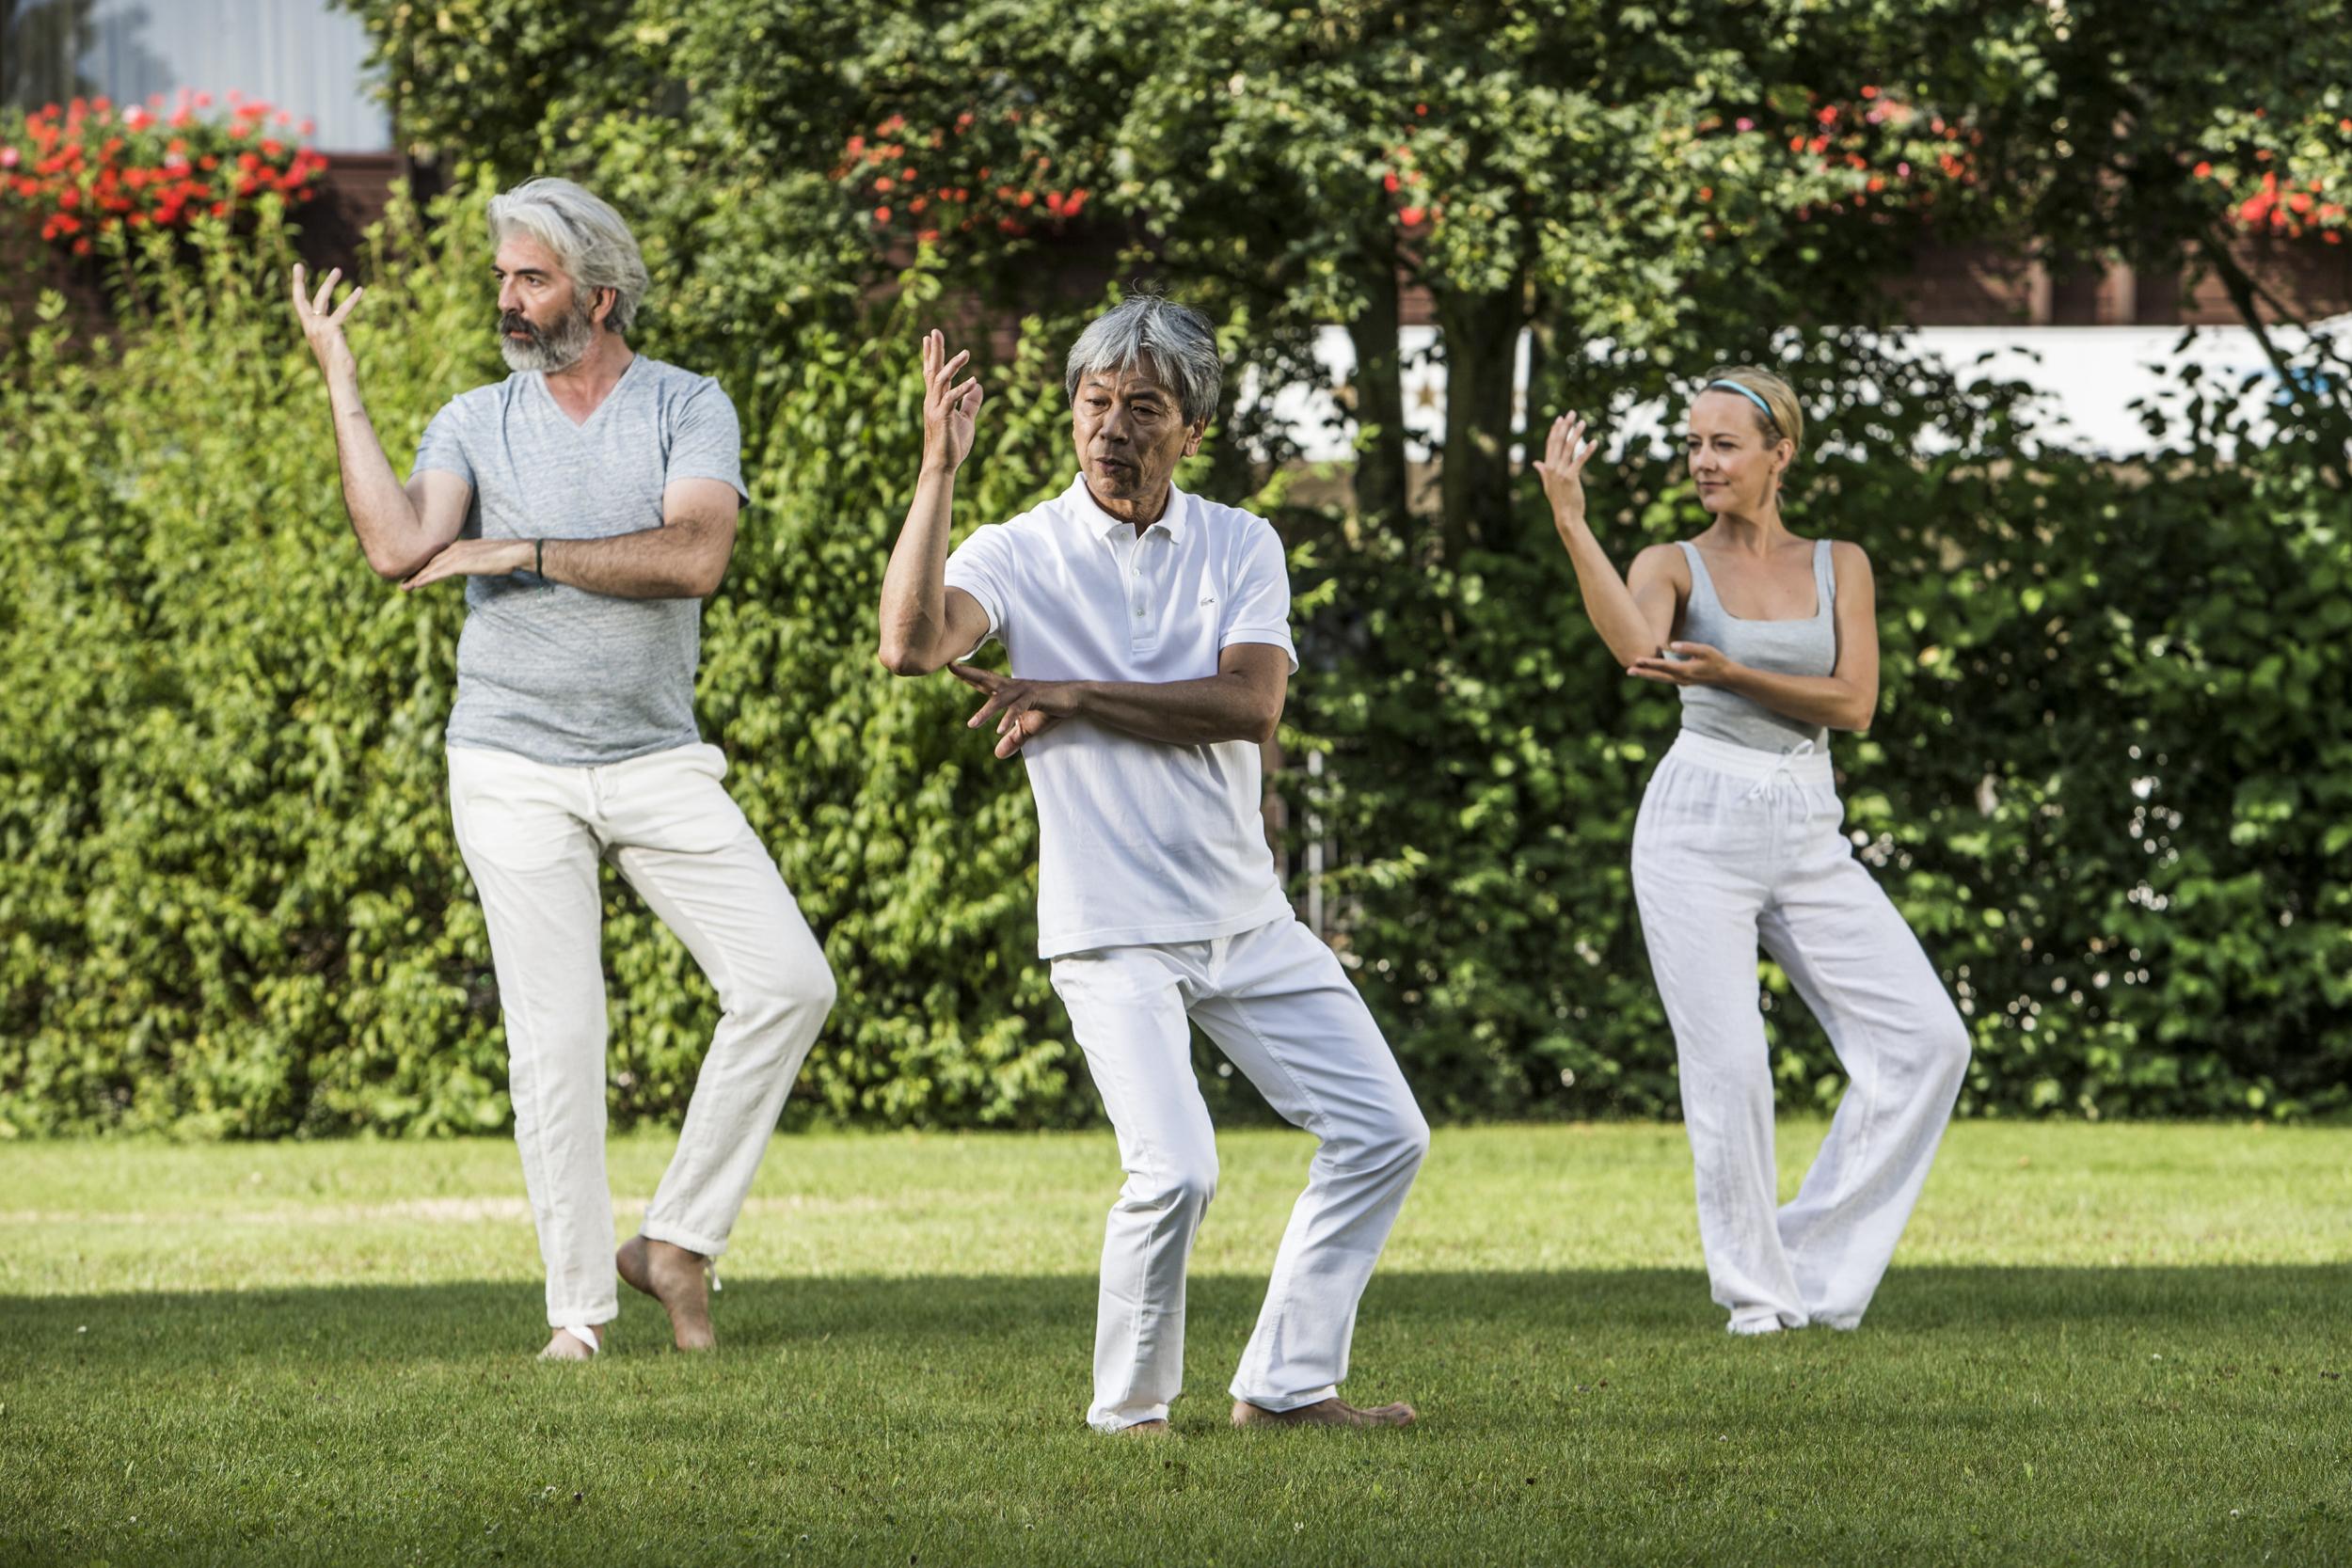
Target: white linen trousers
x=1277 y=1003
x=1734 y=845
x=531 y=834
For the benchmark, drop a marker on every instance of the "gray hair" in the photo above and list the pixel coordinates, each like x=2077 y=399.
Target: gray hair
x=588 y=237
x=1176 y=340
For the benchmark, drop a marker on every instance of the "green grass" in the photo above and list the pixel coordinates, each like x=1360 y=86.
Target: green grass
x=2098 y=1344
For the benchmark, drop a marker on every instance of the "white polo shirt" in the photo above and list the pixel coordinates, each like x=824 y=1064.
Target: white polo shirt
x=1138 y=841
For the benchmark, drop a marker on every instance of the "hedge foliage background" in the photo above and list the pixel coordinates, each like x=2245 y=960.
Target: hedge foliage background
x=2109 y=784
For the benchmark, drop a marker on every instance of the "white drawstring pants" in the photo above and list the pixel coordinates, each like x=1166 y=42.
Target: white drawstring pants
x=1734 y=845
x=1277 y=1003
x=532 y=835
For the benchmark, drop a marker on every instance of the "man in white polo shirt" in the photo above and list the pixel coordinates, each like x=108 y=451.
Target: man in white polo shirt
x=1149 y=636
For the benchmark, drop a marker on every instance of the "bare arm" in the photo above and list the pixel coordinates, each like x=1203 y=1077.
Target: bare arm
x=1243 y=701
x=925 y=623
x=399 y=528
x=1634 y=615
x=1845 y=699
x=684 y=558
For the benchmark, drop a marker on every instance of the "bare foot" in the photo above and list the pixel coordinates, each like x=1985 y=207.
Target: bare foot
x=1333 y=1412
x=564 y=1346
x=1144 y=1429
x=673 y=1277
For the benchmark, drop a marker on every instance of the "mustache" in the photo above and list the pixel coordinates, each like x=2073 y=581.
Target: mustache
x=515 y=321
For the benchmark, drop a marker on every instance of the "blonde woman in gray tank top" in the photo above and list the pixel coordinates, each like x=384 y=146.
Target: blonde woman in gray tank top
x=1770 y=643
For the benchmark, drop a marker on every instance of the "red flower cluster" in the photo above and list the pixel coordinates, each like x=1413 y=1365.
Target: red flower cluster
x=1407 y=186
x=87 y=168
x=887 y=175
x=1879 y=151
x=2292 y=203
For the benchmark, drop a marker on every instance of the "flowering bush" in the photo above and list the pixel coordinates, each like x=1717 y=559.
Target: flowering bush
x=90 y=168
x=1873 y=153
x=925 y=184
x=2292 y=180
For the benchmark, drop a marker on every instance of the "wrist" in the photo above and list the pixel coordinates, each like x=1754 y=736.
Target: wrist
x=939 y=465
x=1069 y=698
x=529 y=556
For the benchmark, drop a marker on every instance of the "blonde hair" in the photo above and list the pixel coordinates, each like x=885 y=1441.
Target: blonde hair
x=1785 y=420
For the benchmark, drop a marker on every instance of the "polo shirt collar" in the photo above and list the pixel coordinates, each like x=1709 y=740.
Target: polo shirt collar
x=1082 y=507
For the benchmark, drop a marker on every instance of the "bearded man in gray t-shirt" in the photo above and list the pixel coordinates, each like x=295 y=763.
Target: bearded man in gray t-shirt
x=588 y=502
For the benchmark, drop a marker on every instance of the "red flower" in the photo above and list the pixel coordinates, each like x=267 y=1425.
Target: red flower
x=1411 y=217
x=2202 y=171
x=881 y=215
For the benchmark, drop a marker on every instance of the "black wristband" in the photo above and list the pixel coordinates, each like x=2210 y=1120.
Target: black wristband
x=539 y=558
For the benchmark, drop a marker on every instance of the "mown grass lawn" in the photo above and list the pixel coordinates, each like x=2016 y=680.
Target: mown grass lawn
x=2099 y=1344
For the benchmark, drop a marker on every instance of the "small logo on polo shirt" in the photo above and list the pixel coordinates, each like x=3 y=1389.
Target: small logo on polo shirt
x=1208 y=599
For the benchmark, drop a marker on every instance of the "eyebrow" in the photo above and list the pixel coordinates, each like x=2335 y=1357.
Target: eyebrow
x=496 y=271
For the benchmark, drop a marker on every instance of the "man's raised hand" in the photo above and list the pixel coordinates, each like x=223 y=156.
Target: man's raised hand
x=325 y=328
x=950 y=408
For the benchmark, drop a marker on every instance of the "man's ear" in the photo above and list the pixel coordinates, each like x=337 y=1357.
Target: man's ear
x=608 y=301
x=1192 y=437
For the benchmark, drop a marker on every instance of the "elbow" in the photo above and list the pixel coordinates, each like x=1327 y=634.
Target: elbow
x=1858 y=714
x=1264 y=725
x=900 y=658
x=702 y=583
x=392 y=568
x=1626 y=656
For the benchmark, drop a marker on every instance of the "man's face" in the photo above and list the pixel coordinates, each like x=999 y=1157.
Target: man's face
x=544 y=323
x=1130 y=433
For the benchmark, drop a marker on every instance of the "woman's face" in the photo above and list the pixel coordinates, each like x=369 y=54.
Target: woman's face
x=1736 y=467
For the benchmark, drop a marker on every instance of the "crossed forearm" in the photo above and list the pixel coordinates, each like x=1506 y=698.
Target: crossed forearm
x=1197 y=712
x=1824 y=700
x=683 y=559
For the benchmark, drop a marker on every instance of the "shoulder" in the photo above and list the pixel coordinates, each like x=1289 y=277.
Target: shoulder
x=1666 y=562
x=1849 y=560
x=675 y=388
x=482 y=401
x=1243 y=533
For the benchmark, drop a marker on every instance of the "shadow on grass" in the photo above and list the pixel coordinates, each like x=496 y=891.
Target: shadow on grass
x=462 y=1321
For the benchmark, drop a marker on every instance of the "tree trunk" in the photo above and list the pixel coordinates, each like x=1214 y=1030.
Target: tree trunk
x=1378 y=384
x=1481 y=344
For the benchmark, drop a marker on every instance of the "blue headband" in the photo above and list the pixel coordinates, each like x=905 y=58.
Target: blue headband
x=1762 y=407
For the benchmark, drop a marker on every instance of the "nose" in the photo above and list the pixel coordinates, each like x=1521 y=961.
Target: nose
x=508 y=298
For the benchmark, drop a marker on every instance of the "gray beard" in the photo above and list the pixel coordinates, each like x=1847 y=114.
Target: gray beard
x=554 y=348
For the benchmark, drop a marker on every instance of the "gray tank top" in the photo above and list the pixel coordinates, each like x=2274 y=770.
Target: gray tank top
x=1805 y=647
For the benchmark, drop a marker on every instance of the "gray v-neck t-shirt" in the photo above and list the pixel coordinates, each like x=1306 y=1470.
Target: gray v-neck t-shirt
x=553 y=673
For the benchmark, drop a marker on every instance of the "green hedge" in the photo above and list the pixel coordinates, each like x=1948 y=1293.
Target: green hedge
x=230 y=905
x=2110 y=785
